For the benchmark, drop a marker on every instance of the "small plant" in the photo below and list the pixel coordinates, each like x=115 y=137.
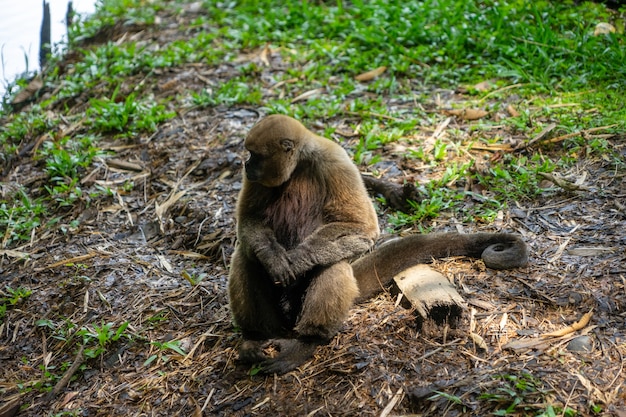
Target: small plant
x=516 y=177
x=19 y=217
x=515 y=394
x=193 y=278
x=17 y=295
x=65 y=160
x=440 y=150
x=11 y=297
x=102 y=335
x=234 y=91
x=436 y=200
x=174 y=345
x=158 y=318
x=551 y=411
x=373 y=138
x=125 y=117
x=363 y=151
x=65 y=331
x=26 y=125
x=254 y=370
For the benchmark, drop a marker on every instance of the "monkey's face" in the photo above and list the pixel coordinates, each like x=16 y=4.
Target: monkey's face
x=274 y=145
x=270 y=164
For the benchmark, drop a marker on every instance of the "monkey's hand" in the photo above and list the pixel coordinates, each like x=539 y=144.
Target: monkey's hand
x=276 y=262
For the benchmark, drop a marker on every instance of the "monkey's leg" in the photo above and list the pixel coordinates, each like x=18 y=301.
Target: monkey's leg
x=254 y=303
x=326 y=305
x=327 y=302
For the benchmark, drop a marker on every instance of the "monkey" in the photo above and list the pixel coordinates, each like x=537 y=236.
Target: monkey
x=305 y=229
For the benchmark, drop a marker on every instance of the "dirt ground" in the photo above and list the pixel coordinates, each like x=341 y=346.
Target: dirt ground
x=156 y=255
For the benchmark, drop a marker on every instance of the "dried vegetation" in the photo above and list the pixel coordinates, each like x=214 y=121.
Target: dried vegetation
x=127 y=313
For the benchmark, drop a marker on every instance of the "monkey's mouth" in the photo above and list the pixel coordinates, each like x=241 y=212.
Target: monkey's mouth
x=251 y=176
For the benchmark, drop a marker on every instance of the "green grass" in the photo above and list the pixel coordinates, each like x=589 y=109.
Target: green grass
x=19 y=216
x=10 y=297
x=543 y=56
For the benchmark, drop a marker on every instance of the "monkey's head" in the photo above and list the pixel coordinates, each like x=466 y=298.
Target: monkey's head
x=274 y=146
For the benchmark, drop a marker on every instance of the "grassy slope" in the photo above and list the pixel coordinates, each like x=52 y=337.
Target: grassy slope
x=543 y=52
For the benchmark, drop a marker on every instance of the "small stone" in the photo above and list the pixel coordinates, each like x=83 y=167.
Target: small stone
x=580 y=344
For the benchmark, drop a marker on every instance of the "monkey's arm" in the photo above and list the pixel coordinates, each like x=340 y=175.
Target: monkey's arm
x=350 y=222
x=331 y=243
x=259 y=242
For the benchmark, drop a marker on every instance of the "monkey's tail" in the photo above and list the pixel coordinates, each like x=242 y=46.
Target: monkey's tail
x=375 y=270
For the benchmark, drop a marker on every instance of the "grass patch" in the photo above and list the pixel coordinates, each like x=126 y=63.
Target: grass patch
x=19 y=216
x=542 y=55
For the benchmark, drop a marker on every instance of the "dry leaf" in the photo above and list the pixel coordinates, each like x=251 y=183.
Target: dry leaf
x=503 y=322
x=526 y=344
x=73 y=260
x=165 y=263
x=10 y=408
x=266 y=54
x=493 y=147
x=370 y=75
x=512 y=111
x=189 y=254
x=123 y=165
x=346 y=133
x=603 y=28
x=571 y=328
x=307 y=95
x=480 y=342
x=486 y=85
x=68 y=397
x=589 y=251
x=161 y=209
x=466 y=114
x=168 y=85
x=594 y=393
x=13 y=253
x=440 y=129
x=620 y=412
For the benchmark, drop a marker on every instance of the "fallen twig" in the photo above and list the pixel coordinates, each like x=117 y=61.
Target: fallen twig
x=579 y=133
x=540 y=136
x=78 y=360
x=70 y=261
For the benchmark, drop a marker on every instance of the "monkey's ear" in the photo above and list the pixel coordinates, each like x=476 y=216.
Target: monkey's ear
x=287 y=144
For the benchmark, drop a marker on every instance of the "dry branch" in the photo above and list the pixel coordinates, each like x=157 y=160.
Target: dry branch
x=78 y=360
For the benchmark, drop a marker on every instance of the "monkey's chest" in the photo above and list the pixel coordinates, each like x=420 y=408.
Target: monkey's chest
x=295 y=214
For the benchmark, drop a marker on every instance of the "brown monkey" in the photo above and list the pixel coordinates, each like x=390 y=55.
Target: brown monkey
x=303 y=214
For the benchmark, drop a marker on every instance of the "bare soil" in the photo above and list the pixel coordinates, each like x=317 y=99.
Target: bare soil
x=157 y=255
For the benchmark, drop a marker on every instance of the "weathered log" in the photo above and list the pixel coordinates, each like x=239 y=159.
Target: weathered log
x=430 y=294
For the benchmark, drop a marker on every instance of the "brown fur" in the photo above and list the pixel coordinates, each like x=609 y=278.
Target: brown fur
x=303 y=214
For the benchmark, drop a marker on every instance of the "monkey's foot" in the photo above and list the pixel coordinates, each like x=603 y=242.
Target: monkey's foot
x=277 y=355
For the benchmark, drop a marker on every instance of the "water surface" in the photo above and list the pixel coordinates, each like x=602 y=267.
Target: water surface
x=20 y=25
